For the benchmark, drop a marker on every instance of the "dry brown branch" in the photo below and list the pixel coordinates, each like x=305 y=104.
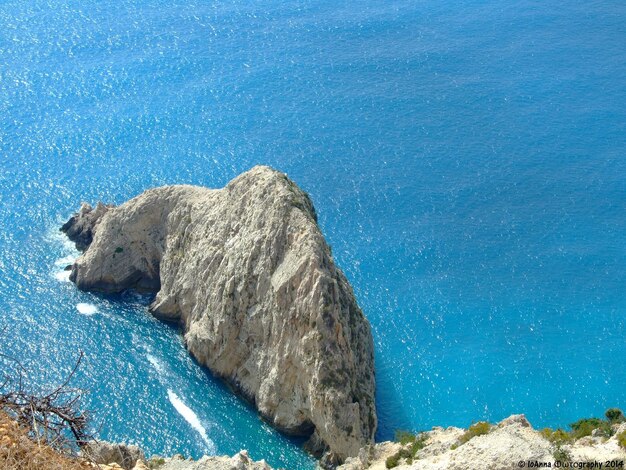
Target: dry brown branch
x=53 y=418
x=19 y=452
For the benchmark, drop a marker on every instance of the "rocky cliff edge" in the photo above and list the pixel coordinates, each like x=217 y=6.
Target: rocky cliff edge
x=512 y=443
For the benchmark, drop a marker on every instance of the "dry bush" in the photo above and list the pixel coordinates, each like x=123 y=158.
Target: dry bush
x=54 y=417
x=18 y=451
x=40 y=430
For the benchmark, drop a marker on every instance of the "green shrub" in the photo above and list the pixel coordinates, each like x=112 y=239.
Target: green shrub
x=477 y=429
x=614 y=415
x=412 y=443
x=621 y=439
x=584 y=427
x=558 y=436
x=546 y=432
x=156 y=462
x=119 y=249
x=392 y=461
x=405 y=437
x=561 y=455
x=418 y=444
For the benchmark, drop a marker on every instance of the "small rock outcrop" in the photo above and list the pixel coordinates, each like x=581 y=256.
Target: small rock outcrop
x=248 y=274
x=239 y=461
x=82 y=225
x=102 y=452
x=508 y=443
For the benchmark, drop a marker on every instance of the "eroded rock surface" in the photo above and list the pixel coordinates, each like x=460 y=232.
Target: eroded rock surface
x=247 y=272
x=82 y=225
x=239 y=461
x=508 y=443
x=102 y=452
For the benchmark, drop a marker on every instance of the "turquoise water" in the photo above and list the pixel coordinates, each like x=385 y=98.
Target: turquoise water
x=467 y=161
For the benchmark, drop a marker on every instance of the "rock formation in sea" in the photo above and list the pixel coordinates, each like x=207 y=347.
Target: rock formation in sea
x=247 y=272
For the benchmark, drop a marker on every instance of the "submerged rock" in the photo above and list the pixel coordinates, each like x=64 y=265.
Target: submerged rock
x=248 y=274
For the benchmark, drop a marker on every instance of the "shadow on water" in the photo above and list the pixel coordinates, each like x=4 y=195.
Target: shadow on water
x=131 y=297
x=390 y=407
x=248 y=404
x=128 y=296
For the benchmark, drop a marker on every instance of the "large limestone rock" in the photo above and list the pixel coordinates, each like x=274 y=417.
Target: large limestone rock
x=247 y=272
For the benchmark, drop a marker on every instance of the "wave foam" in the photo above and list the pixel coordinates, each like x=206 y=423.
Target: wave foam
x=190 y=417
x=62 y=276
x=86 y=309
x=69 y=259
x=156 y=363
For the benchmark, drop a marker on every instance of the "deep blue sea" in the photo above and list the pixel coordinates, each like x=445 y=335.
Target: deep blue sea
x=467 y=160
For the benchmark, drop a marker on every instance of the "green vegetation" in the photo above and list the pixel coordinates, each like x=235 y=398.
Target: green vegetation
x=405 y=437
x=614 y=416
x=119 y=249
x=393 y=460
x=557 y=437
x=156 y=462
x=412 y=443
x=561 y=455
x=584 y=427
x=476 y=429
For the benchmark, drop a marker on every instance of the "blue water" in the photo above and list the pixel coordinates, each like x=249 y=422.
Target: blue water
x=467 y=161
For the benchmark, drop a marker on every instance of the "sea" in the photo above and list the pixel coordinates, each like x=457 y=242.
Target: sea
x=467 y=161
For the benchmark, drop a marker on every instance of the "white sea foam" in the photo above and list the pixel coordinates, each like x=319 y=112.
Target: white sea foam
x=156 y=363
x=86 y=309
x=69 y=255
x=62 y=276
x=56 y=236
x=69 y=259
x=191 y=418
